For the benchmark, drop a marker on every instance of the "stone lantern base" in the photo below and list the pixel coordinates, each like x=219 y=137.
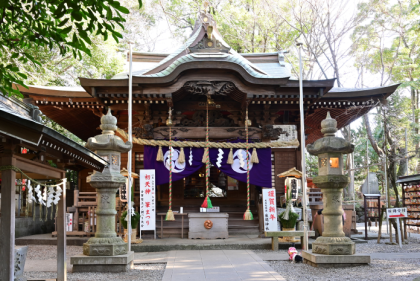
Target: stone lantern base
x=121 y=263
x=333 y=261
x=333 y=246
x=105 y=247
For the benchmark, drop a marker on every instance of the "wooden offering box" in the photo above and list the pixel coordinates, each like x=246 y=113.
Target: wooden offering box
x=208 y=225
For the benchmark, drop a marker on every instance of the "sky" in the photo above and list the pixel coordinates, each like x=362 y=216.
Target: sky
x=165 y=42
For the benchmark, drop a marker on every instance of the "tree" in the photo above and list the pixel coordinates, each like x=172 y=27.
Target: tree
x=388 y=45
x=65 y=25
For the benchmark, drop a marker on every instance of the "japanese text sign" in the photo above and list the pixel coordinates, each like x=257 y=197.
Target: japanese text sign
x=270 y=209
x=396 y=213
x=147 y=200
x=124 y=191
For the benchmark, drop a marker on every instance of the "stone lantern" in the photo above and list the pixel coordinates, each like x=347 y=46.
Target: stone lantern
x=331 y=180
x=106 y=242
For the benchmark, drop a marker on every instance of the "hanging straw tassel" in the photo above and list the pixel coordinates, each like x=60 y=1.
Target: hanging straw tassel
x=254 y=156
x=34 y=211
x=230 y=157
x=170 y=216
x=248 y=215
x=159 y=156
x=204 y=160
x=40 y=212
x=181 y=157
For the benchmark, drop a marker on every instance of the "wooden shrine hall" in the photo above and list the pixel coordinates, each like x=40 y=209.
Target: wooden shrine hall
x=183 y=80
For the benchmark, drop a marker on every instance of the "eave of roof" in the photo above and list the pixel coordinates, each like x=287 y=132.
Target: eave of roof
x=362 y=92
x=410 y=178
x=70 y=92
x=32 y=125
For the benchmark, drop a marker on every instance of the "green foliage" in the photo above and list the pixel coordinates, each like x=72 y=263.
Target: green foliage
x=291 y=222
x=134 y=220
x=58 y=26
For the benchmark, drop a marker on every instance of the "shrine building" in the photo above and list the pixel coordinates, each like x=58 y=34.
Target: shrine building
x=206 y=77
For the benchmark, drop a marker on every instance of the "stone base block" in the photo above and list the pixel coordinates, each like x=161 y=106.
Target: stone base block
x=331 y=261
x=333 y=246
x=105 y=247
x=83 y=263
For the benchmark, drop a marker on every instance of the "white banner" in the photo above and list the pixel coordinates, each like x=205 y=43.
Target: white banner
x=147 y=200
x=270 y=209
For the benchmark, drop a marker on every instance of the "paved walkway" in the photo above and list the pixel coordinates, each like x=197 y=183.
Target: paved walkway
x=227 y=265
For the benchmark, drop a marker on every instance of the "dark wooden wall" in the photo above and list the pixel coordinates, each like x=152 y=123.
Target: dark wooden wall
x=285 y=159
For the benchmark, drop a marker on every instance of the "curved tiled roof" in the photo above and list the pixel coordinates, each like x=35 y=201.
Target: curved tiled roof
x=232 y=58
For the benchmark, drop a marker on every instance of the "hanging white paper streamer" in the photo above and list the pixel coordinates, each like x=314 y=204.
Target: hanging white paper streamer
x=30 y=194
x=241 y=158
x=191 y=157
x=219 y=158
x=45 y=196
x=39 y=195
x=50 y=196
x=57 y=195
x=132 y=211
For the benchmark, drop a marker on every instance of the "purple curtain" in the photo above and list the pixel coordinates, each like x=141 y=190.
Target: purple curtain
x=179 y=171
x=260 y=174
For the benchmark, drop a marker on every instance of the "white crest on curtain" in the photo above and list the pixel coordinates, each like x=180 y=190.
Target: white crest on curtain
x=176 y=167
x=239 y=161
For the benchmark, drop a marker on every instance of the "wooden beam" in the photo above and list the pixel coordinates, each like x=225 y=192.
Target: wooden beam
x=200 y=132
x=7 y=250
x=38 y=168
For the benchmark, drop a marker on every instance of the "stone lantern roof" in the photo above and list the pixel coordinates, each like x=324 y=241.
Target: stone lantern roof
x=329 y=143
x=108 y=140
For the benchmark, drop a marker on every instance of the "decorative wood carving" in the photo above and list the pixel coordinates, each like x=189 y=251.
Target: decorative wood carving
x=209 y=88
x=216 y=119
x=200 y=132
x=268 y=132
x=253 y=133
x=145 y=132
x=207 y=45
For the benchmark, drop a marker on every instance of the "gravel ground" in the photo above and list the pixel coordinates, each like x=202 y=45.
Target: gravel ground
x=373 y=247
x=46 y=252
x=401 y=270
x=378 y=270
x=143 y=272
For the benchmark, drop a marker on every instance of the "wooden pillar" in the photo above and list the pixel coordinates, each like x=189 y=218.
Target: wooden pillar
x=7 y=241
x=61 y=235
